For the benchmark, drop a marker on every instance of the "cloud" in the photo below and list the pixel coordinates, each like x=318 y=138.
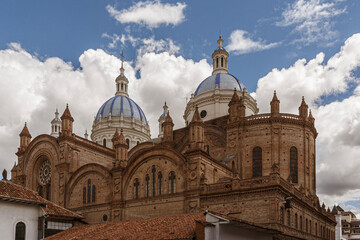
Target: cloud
x=241 y=43
x=143 y=45
x=31 y=89
x=338 y=146
x=150 y=13
x=313 y=20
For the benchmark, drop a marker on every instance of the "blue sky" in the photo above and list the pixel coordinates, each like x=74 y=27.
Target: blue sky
x=58 y=52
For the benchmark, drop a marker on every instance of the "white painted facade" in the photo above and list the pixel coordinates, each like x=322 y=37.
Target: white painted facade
x=222 y=228
x=13 y=213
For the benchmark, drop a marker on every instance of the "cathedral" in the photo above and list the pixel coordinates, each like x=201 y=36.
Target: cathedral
x=260 y=168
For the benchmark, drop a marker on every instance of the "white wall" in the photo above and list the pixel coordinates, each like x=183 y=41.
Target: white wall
x=12 y=213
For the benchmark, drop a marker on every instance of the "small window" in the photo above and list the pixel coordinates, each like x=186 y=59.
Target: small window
x=222 y=62
x=288 y=218
x=147 y=185
x=41 y=191
x=138 y=142
x=282 y=215
x=172 y=182
x=257 y=162
x=20 y=231
x=294 y=164
x=104 y=142
x=217 y=62
x=159 y=182
x=136 y=188
x=48 y=192
x=84 y=195
x=203 y=114
x=89 y=191
x=122 y=87
x=153 y=181
x=128 y=142
x=296 y=221
x=55 y=128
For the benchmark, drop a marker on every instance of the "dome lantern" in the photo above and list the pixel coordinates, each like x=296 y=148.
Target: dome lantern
x=220 y=58
x=121 y=81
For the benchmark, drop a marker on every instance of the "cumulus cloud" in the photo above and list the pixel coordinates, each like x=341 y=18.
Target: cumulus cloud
x=313 y=20
x=31 y=89
x=150 y=13
x=143 y=45
x=338 y=146
x=241 y=43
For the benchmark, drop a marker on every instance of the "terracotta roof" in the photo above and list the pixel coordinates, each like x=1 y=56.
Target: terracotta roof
x=25 y=132
x=12 y=192
x=177 y=227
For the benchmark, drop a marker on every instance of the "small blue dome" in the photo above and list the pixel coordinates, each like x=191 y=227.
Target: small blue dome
x=121 y=104
x=57 y=119
x=223 y=80
x=163 y=115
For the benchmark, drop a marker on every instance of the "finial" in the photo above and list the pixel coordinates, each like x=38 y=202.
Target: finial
x=25 y=124
x=122 y=63
x=274 y=92
x=303 y=98
x=220 y=42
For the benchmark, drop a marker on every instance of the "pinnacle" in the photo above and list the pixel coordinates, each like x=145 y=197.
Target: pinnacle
x=196 y=117
x=67 y=114
x=25 y=132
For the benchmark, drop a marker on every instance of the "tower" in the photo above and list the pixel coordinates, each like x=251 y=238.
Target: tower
x=121 y=149
x=303 y=109
x=25 y=138
x=168 y=129
x=56 y=125
x=275 y=105
x=220 y=58
x=67 y=123
x=234 y=107
x=162 y=120
x=196 y=132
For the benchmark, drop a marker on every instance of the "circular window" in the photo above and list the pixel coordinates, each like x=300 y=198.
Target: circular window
x=203 y=114
x=45 y=172
x=105 y=217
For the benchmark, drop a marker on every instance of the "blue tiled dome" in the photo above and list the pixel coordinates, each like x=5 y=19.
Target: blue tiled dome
x=223 y=80
x=121 y=104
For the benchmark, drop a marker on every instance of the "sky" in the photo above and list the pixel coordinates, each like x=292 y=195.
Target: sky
x=58 y=52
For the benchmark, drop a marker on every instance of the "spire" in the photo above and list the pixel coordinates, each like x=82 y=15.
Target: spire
x=168 y=129
x=67 y=122
x=67 y=114
x=275 y=105
x=165 y=107
x=311 y=118
x=86 y=135
x=25 y=132
x=234 y=106
x=303 y=109
x=235 y=97
x=121 y=149
x=25 y=138
x=196 y=116
x=121 y=81
x=220 y=58
x=162 y=120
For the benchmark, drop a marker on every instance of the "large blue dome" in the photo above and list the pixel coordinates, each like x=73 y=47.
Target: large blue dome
x=223 y=80
x=121 y=104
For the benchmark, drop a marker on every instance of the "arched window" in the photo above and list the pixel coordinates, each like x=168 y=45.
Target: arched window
x=20 y=230
x=294 y=164
x=136 y=188
x=147 y=185
x=48 y=192
x=296 y=221
x=84 y=195
x=104 y=142
x=306 y=225
x=217 y=62
x=128 y=142
x=55 y=128
x=138 y=142
x=89 y=191
x=122 y=87
x=93 y=197
x=172 y=182
x=301 y=223
x=41 y=191
x=316 y=231
x=310 y=227
x=288 y=218
x=159 y=182
x=257 y=162
x=222 y=62
x=153 y=181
